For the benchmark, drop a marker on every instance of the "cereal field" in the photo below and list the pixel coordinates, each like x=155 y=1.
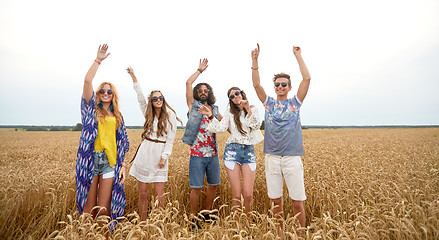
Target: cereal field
x=360 y=184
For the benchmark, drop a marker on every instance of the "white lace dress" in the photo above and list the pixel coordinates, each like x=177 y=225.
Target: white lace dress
x=247 y=123
x=145 y=167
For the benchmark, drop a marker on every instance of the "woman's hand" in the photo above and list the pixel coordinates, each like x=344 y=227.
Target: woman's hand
x=245 y=104
x=102 y=53
x=131 y=72
x=122 y=175
x=204 y=110
x=162 y=163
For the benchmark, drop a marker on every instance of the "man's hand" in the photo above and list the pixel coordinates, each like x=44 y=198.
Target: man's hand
x=255 y=53
x=296 y=50
x=203 y=64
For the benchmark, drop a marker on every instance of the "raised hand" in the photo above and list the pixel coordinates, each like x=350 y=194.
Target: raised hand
x=130 y=71
x=203 y=64
x=255 y=53
x=102 y=52
x=296 y=50
x=204 y=110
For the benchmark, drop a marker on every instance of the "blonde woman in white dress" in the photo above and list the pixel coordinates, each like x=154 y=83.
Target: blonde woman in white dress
x=151 y=160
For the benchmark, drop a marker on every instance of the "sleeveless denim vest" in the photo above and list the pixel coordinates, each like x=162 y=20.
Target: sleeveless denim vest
x=194 y=122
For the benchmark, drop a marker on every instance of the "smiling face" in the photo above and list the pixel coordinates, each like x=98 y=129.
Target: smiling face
x=203 y=93
x=157 y=99
x=106 y=94
x=283 y=88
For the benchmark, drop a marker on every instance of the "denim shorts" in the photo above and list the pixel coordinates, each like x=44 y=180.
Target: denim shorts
x=102 y=165
x=200 y=166
x=239 y=153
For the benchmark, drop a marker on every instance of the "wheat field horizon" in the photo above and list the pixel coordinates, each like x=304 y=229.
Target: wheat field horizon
x=360 y=184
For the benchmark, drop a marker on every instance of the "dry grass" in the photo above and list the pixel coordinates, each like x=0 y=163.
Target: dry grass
x=360 y=184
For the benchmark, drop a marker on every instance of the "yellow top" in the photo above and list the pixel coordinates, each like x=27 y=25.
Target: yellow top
x=106 y=139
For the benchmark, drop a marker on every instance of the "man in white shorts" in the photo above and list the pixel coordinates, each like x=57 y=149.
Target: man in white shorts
x=283 y=143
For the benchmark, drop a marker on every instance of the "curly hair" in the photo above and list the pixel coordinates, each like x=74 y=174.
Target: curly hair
x=210 y=97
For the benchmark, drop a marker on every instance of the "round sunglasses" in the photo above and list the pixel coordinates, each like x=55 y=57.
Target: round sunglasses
x=233 y=95
x=201 y=90
x=109 y=91
x=155 y=99
x=284 y=84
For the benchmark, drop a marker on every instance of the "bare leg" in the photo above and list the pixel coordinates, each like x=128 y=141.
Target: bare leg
x=235 y=183
x=210 y=196
x=278 y=212
x=104 y=199
x=159 y=188
x=143 y=200
x=194 y=199
x=298 y=207
x=92 y=197
x=248 y=181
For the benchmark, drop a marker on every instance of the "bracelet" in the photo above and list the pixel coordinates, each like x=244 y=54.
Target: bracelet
x=199 y=70
x=98 y=62
x=211 y=117
x=256 y=68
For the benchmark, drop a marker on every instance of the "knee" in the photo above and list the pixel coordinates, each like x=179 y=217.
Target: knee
x=143 y=195
x=298 y=205
x=277 y=201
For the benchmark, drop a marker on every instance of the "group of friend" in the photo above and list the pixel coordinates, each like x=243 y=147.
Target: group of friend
x=101 y=165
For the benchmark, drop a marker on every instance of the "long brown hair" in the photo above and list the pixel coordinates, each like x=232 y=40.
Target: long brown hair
x=236 y=111
x=101 y=113
x=163 y=118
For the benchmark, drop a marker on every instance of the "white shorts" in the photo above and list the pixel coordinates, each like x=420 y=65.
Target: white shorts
x=289 y=168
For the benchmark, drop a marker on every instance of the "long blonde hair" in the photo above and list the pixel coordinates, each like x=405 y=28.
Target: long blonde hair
x=101 y=113
x=163 y=118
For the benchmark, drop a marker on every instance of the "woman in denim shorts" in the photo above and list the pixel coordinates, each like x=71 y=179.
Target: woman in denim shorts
x=239 y=154
x=100 y=168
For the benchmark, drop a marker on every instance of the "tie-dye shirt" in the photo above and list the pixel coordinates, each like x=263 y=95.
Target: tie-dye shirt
x=205 y=144
x=283 y=130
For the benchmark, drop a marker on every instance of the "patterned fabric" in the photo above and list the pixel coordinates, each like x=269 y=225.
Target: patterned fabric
x=283 y=130
x=85 y=160
x=205 y=143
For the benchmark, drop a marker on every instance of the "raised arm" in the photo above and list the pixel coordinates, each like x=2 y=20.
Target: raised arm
x=140 y=97
x=304 y=85
x=255 y=76
x=87 y=91
x=189 y=91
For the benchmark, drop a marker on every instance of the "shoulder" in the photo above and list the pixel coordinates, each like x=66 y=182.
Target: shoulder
x=171 y=113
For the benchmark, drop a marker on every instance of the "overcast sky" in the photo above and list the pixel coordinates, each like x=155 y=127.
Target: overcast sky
x=371 y=62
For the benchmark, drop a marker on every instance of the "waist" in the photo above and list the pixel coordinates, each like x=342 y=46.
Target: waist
x=154 y=140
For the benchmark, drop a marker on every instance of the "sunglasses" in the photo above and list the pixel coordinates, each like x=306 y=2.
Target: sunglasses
x=155 y=99
x=233 y=95
x=201 y=90
x=109 y=91
x=284 y=84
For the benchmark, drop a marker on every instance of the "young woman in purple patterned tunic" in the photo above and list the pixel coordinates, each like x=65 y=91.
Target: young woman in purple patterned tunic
x=100 y=171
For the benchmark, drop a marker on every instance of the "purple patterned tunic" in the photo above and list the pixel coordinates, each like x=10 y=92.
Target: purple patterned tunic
x=85 y=160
